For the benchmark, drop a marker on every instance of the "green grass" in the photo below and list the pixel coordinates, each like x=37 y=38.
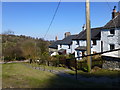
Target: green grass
x=17 y=75
x=98 y=73
x=48 y=67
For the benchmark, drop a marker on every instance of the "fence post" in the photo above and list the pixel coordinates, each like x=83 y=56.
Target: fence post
x=76 y=69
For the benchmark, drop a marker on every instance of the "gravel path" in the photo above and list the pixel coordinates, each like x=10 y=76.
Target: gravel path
x=115 y=81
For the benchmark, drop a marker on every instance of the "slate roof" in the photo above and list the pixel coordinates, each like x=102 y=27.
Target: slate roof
x=65 y=41
x=115 y=22
x=68 y=39
x=62 y=50
x=81 y=48
x=54 y=44
x=95 y=34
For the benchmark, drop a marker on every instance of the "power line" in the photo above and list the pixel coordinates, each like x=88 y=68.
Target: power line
x=100 y=53
x=52 y=19
x=108 y=5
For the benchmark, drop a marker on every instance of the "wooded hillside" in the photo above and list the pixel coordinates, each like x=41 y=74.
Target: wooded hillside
x=23 y=47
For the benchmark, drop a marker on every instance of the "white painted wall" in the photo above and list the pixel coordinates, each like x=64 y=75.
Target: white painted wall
x=82 y=42
x=104 y=34
x=66 y=47
x=96 y=48
x=55 y=51
x=118 y=41
x=108 y=39
x=78 y=54
x=119 y=53
x=74 y=45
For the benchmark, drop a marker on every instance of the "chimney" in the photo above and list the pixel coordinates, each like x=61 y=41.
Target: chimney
x=67 y=34
x=114 y=13
x=56 y=38
x=84 y=27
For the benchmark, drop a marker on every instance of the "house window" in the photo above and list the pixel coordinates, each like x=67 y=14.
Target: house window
x=101 y=46
x=60 y=46
x=83 y=53
x=94 y=52
x=77 y=54
x=77 y=42
x=94 y=42
x=112 y=31
x=112 y=46
x=69 y=46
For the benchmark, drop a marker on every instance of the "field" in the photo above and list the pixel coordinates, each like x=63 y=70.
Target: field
x=17 y=75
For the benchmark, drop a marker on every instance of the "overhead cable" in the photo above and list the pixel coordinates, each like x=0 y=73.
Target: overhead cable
x=52 y=19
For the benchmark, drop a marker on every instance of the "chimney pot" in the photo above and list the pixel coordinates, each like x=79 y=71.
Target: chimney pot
x=114 y=13
x=67 y=34
x=84 y=27
x=56 y=38
x=114 y=10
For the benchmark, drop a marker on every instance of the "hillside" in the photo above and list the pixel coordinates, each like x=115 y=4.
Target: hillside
x=23 y=47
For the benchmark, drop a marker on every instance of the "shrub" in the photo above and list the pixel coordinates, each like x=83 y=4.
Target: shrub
x=96 y=61
x=96 y=57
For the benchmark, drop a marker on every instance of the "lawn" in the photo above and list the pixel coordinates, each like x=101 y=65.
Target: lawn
x=97 y=73
x=17 y=75
x=47 y=67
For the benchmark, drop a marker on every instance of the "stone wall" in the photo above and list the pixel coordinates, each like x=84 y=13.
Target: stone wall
x=111 y=63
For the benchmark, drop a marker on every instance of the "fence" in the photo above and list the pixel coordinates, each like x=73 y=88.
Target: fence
x=71 y=62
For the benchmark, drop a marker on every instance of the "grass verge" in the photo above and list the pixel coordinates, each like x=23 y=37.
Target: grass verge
x=98 y=73
x=16 y=75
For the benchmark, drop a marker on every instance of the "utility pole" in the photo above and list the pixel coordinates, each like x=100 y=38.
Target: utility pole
x=88 y=30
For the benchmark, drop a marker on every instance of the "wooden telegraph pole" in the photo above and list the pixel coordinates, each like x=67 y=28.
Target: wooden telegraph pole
x=88 y=30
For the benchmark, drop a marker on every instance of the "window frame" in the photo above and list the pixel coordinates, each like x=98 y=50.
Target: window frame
x=68 y=46
x=94 y=42
x=60 y=45
x=112 y=31
x=77 y=42
x=112 y=46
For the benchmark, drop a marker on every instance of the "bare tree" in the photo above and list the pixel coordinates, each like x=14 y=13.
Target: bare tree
x=8 y=32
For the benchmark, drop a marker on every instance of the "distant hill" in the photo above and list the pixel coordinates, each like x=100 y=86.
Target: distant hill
x=21 y=47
